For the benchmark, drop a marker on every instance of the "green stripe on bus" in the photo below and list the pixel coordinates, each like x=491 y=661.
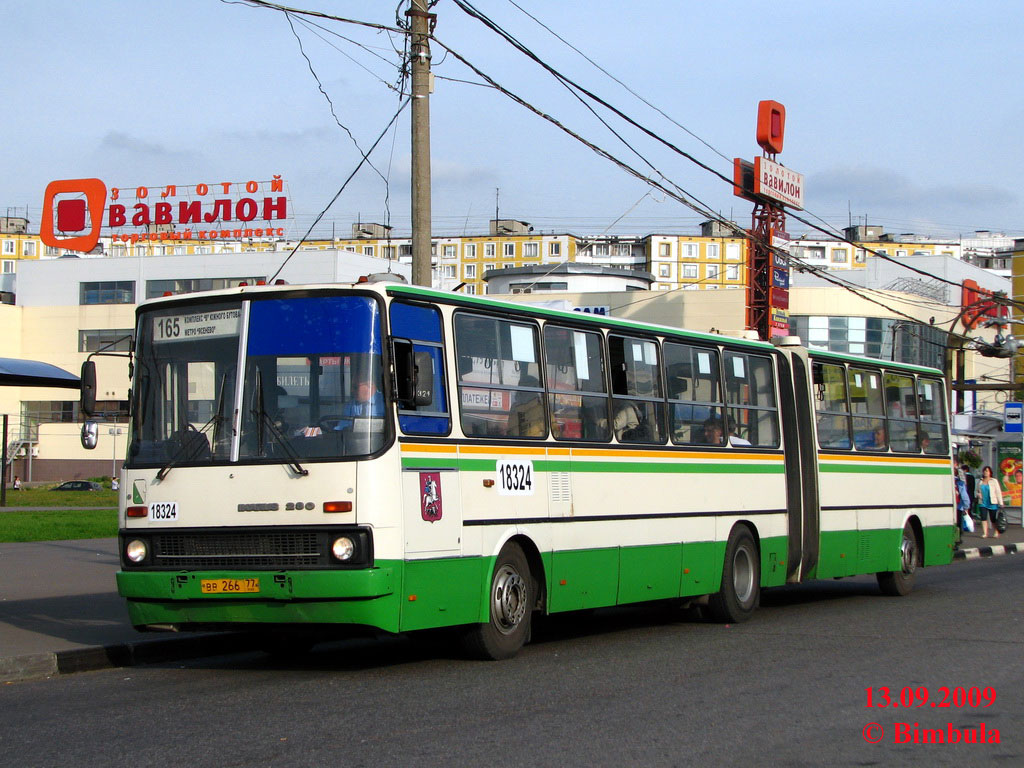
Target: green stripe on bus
x=561 y=465
x=884 y=469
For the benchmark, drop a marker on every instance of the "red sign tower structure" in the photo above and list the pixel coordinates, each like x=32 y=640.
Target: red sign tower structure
x=770 y=187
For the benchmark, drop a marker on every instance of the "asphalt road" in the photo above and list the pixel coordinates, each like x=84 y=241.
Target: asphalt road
x=626 y=687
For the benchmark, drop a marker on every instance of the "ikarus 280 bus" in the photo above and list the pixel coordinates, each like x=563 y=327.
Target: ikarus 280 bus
x=308 y=457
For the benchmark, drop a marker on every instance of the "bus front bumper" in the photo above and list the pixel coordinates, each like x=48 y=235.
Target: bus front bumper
x=183 y=598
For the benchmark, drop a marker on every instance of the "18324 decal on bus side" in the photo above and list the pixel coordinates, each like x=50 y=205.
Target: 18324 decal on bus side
x=515 y=477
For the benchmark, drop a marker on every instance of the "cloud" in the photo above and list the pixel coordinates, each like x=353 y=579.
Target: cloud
x=116 y=141
x=879 y=188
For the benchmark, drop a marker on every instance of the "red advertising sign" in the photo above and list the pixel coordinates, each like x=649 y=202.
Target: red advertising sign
x=77 y=209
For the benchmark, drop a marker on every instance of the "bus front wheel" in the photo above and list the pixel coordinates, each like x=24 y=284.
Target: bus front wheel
x=510 y=603
x=899 y=583
x=741 y=579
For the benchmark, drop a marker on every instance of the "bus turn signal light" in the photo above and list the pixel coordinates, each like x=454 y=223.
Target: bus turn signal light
x=337 y=506
x=137 y=512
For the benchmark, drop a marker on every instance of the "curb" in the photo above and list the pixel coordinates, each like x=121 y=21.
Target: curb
x=39 y=666
x=992 y=551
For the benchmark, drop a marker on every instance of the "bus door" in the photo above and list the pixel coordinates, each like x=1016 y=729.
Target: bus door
x=431 y=482
x=801 y=464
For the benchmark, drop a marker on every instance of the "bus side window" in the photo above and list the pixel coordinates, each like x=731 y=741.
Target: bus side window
x=931 y=405
x=694 y=394
x=752 y=417
x=422 y=325
x=638 y=404
x=577 y=395
x=500 y=389
x=901 y=405
x=832 y=411
x=868 y=407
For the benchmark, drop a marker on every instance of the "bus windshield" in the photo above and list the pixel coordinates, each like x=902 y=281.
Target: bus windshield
x=311 y=389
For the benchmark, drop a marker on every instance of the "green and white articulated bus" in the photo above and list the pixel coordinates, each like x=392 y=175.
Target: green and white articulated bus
x=376 y=454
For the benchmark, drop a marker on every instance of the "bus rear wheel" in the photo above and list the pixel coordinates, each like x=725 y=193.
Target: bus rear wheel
x=510 y=604
x=741 y=579
x=899 y=583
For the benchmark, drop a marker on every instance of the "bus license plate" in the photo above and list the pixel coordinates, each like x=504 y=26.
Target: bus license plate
x=228 y=586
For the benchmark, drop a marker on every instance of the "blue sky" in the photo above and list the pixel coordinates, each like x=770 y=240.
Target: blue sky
x=904 y=113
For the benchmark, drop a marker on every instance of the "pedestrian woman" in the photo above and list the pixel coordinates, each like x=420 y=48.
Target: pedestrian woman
x=990 y=499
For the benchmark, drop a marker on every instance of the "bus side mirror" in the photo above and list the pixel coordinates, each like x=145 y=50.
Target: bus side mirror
x=87 y=403
x=414 y=375
x=90 y=435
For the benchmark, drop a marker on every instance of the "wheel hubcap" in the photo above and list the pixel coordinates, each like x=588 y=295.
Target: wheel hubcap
x=743 y=575
x=508 y=599
x=908 y=554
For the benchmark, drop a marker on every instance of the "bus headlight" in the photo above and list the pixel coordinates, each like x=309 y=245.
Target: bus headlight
x=343 y=548
x=136 y=550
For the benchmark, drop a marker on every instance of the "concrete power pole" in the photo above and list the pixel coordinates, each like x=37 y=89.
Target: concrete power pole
x=421 y=23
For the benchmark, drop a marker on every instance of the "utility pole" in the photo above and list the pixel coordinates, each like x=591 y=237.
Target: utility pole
x=422 y=24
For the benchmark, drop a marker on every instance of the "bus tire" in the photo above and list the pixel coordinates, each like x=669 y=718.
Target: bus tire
x=510 y=605
x=899 y=583
x=741 y=579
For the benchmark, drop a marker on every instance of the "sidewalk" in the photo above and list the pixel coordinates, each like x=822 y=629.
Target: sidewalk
x=60 y=611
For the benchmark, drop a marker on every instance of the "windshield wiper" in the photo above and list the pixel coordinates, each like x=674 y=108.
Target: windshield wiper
x=189 y=443
x=264 y=419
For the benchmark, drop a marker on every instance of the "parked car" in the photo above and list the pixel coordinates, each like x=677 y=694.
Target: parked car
x=79 y=485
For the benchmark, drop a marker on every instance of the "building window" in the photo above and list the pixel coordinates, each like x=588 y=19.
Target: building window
x=839 y=256
x=9 y=248
x=367 y=250
x=389 y=251
x=713 y=251
x=469 y=250
x=93 y=341
x=554 y=249
x=859 y=256
x=713 y=270
x=624 y=250
x=29 y=248
x=732 y=271
x=490 y=250
x=448 y=252
x=405 y=251
x=601 y=250
x=900 y=252
x=508 y=249
x=732 y=251
x=664 y=250
x=156 y=288
x=109 y=292
x=664 y=270
x=8 y=267
x=690 y=250
x=689 y=271
x=531 y=250
x=470 y=271
x=54 y=252
x=469 y=290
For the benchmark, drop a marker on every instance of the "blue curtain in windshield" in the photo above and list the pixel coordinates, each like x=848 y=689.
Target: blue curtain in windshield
x=314 y=326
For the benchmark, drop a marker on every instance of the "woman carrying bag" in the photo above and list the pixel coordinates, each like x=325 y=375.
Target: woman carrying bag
x=990 y=499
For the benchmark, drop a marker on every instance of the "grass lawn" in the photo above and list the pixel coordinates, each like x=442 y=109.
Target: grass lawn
x=45 y=497
x=57 y=525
